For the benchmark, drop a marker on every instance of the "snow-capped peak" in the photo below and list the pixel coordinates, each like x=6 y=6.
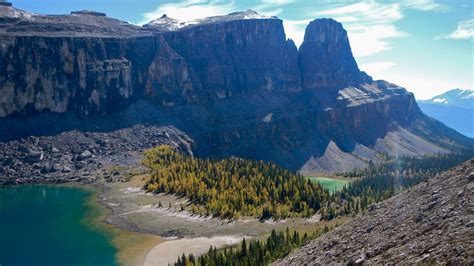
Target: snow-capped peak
x=456 y=97
x=469 y=96
x=168 y=24
x=8 y=11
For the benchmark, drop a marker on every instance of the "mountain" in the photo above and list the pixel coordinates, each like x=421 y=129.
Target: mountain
x=424 y=224
x=456 y=98
x=455 y=108
x=233 y=84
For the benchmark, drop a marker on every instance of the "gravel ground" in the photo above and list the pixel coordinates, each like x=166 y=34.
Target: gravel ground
x=428 y=223
x=81 y=156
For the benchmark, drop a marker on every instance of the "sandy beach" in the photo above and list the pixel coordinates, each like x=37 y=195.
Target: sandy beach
x=168 y=252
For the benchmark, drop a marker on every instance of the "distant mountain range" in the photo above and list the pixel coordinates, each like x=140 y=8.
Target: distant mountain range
x=455 y=108
x=456 y=97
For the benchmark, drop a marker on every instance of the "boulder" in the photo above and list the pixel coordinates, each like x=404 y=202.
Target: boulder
x=35 y=156
x=85 y=155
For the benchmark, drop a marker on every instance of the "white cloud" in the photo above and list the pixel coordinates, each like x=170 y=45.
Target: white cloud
x=372 y=12
x=376 y=69
x=294 y=30
x=271 y=7
x=370 y=25
x=277 y=2
x=272 y=12
x=464 y=31
x=372 y=39
x=190 y=9
x=425 y=86
x=424 y=5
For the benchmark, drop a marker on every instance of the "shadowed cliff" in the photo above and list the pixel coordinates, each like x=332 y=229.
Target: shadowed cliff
x=233 y=83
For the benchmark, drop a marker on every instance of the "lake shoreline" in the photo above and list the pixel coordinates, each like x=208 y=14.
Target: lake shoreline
x=131 y=247
x=135 y=210
x=139 y=229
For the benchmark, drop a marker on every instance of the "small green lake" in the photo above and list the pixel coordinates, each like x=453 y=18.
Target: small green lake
x=331 y=184
x=51 y=225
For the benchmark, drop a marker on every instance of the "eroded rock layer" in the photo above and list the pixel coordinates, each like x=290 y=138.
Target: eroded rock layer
x=233 y=83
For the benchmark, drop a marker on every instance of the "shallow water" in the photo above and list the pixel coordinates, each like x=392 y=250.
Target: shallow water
x=330 y=184
x=51 y=225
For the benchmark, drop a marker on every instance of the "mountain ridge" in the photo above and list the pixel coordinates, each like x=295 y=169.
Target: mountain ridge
x=455 y=108
x=455 y=97
x=236 y=88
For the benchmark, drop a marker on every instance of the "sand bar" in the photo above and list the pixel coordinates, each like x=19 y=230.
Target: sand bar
x=169 y=251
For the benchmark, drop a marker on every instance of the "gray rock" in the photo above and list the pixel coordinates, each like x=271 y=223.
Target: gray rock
x=471 y=177
x=429 y=206
x=459 y=250
x=8 y=161
x=85 y=155
x=400 y=236
x=24 y=149
x=35 y=156
x=418 y=218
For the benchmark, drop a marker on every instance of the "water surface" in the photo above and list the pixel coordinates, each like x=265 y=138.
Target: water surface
x=51 y=225
x=331 y=184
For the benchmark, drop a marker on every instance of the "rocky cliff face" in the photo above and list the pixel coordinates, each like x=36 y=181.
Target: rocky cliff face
x=234 y=83
x=238 y=57
x=59 y=64
x=82 y=75
x=325 y=58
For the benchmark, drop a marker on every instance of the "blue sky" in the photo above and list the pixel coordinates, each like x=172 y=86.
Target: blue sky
x=423 y=45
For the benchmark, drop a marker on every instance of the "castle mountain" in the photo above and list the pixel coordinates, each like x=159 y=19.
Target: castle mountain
x=234 y=84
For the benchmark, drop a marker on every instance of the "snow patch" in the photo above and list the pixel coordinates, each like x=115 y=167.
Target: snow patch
x=469 y=96
x=167 y=23
x=268 y=118
x=440 y=100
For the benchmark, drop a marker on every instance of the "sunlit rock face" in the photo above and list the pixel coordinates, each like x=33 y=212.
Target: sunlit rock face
x=233 y=83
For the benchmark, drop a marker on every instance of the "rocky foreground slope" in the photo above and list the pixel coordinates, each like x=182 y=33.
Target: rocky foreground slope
x=431 y=222
x=234 y=84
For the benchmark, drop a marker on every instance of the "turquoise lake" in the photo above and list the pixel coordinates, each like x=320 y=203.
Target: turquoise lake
x=48 y=225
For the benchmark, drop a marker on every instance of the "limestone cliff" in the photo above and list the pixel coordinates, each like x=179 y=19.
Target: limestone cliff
x=326 y=59
x=233 y=83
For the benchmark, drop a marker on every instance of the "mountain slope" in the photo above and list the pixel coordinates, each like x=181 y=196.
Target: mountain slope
x=234 y=84
x=454 y=108
x=457 y=97
x=428 y=223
